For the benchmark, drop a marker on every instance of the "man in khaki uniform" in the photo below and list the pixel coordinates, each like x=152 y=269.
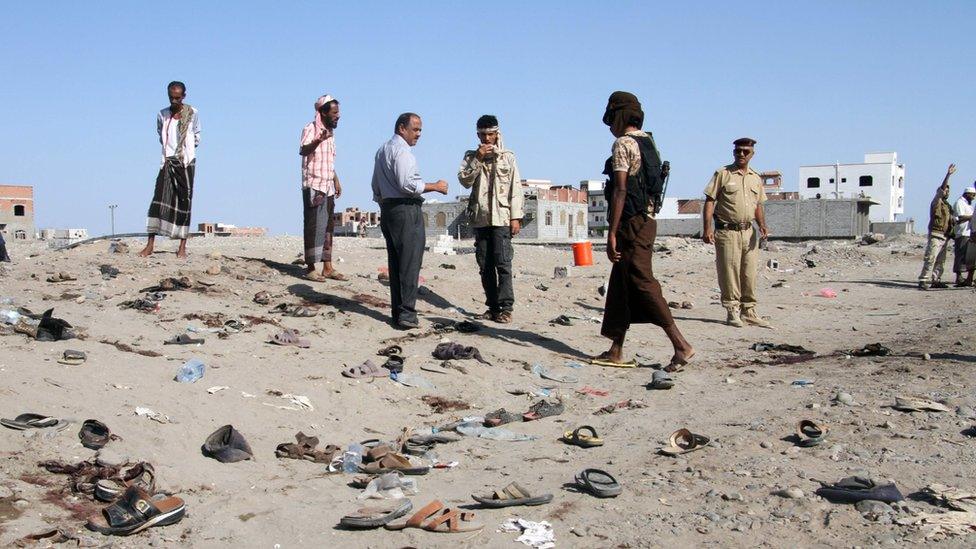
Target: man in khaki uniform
x=941 y=222
x=495 y=210
x=734 y=199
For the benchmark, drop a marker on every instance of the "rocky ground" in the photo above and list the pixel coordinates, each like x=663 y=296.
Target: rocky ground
x=752 y=486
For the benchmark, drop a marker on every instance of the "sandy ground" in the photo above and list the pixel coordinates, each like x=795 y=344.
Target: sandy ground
x=720 y=496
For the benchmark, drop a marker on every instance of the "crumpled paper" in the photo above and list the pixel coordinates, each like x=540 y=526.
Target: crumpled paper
x=152 y=414
x=534 y=534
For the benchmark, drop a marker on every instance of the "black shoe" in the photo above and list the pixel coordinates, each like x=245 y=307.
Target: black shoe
x=938 y=284
x=407 y=324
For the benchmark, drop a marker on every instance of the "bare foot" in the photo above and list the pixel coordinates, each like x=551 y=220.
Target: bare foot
x=147 y=251
x=683 y=357
x=610 y=356
x=181 y=253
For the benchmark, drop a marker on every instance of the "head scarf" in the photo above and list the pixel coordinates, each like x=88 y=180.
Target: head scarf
x=319 y=125
x=622 y=108
x=182 y=127
x=500 y=144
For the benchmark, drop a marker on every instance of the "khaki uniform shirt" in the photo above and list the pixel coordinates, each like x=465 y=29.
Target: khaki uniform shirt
x=940 y=220
x=626 y=154
x=736 y=194
x=496 y=189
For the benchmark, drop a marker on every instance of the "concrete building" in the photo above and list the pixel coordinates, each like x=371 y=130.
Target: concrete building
x=552 y=213
x=17 y=212
x=225 y=229
x=596 y=209
x=879 y=178
x=349 y=221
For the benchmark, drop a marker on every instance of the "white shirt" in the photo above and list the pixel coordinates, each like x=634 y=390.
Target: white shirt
x=962 y=207
x=168 y=130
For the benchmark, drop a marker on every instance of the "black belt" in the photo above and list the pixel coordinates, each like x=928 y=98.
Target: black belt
x=393 y=201
x=733 y=226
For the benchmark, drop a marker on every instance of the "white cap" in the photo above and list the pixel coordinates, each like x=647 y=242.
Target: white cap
x=969 y=190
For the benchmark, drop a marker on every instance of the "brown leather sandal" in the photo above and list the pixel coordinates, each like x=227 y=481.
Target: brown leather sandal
x=434 y=517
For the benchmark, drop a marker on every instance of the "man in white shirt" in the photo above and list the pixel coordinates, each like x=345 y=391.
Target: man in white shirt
x=963 y=212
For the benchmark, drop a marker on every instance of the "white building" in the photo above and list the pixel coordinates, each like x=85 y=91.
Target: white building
x=880 y=177
x=596 y=207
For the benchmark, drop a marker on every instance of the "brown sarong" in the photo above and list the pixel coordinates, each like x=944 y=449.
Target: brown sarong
x=319 y=227
x=169 y=211
x=633 y=294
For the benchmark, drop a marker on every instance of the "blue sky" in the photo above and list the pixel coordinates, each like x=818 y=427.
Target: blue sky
x=814 y=82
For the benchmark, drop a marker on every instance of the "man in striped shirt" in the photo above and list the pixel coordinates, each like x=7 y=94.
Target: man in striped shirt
x=320 y=188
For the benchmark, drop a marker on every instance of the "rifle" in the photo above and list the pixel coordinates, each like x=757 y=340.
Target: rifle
x=665 y=174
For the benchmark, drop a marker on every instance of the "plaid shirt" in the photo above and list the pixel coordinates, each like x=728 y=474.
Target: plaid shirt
x=318 y=168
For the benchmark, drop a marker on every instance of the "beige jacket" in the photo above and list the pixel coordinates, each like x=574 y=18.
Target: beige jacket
x=496 y=189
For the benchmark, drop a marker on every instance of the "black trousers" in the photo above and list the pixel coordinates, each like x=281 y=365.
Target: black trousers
x=493 y=250
x=403 y=228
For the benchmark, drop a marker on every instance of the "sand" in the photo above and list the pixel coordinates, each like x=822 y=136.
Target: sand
x=719 y=496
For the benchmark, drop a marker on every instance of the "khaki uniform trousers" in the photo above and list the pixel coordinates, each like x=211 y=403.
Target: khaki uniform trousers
x=935 y=255
x=737 y=256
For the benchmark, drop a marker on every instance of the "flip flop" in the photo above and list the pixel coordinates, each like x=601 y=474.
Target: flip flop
x=598 y=483
x=184 y=339
x=32 y=421
x=661 y=380
x=301 y=312
x=676 y=363
x=94 y=434
x=434 y=517
x=136 y=511
x=364 y=370
x=418 y=445
x=304 y=448
x=510 y=496
x=543 y=409
x=390 y=462
x=810 y=434
x=376 y=515
x=227 y=445
x=289 y=338
x=611 y=364
x=234 y=326
x=72 y=358
x=337 y=276
x=683 y=441
x=577 y=438
x=141 y=475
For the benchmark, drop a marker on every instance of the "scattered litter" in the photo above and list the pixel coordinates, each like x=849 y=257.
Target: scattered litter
x=543 y=373
x=456 y=351
x=152 y=414
x=411 y=380
x=629 y=404
x=917 y=404
x=827 y=292
x=763 y=346
x=534 y=534
x=587 y=390
x=873 y=349
x=391 y=485
x=441 y=405
x=300 y=402
x=217 y=388
x=802 y=382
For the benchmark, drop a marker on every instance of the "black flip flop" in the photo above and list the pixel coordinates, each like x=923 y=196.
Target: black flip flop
x=599 y=483
x=30 y=421
x=183 y=339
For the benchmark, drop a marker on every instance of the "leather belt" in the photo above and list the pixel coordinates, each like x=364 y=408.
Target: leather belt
x=733 y=226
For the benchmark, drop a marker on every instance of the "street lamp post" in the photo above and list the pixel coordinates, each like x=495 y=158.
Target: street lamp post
x=112 y=207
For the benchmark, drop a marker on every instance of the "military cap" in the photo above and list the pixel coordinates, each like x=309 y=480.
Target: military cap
x=744 y=141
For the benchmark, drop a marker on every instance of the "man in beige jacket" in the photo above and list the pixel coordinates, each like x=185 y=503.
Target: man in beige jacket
x=495 y=211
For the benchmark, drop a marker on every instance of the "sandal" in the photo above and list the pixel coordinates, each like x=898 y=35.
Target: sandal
x=511 y=495
x=184 y=339
x=72 y=358
x=543 y=409
x=598 y=361
x=394 y=364
x=33 y=421
x=500 y=416
x=262 y=298
x=304 y=448
x=809 y=433
x=136 y=511
x=289 y=338
x=419 y=445
x=366 y=369
x=390 y=462
x=598 y=483
x=94 y=434
x=434 y=517
x=376 y=515
x=504 y=317
x=576 y=438
x=334 y=275
x=390 y=351
x=141 y=475
x=683 y=441
x=487 y=315
x=314 y=276
x=660 y=380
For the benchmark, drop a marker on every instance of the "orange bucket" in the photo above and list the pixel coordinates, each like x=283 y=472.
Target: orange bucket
x=583 y=253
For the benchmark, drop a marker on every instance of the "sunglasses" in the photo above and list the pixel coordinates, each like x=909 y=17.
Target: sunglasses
x=743 y=152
